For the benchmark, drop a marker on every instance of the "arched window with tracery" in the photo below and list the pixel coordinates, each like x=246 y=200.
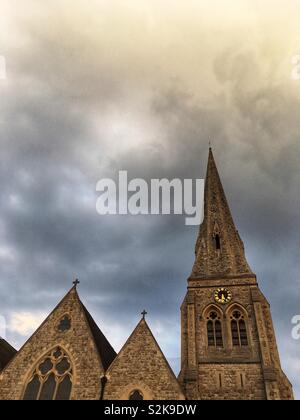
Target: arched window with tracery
x=52 y=378
x=214 y=329
x=238 y=329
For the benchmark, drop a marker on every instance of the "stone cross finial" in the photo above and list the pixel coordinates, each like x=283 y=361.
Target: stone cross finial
x=144 y=313
x=76 y=282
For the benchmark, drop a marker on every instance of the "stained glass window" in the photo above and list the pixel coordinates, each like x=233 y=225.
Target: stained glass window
x=51 y=379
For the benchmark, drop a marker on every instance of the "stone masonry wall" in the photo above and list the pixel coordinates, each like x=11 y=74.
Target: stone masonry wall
x=231 y=372
x=235 y=382
x=141 y=365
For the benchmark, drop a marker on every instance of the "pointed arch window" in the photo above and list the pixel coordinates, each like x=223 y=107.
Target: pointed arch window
x=136 y=395
x=238 y=329
x=214 y=330
x=51 y=379
x=217 y=241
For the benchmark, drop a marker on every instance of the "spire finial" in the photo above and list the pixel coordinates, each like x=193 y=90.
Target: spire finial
x=76 y=282
x=144 y=313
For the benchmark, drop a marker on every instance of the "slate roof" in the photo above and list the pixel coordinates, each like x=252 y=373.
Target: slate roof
x=105 y=350
x=7 y=352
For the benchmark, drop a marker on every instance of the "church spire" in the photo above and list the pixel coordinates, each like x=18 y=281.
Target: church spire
x=219 y=248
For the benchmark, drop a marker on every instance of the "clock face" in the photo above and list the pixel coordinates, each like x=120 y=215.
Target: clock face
x=223 y=295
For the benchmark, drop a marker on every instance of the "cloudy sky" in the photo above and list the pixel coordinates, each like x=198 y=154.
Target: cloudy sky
x=101 y=86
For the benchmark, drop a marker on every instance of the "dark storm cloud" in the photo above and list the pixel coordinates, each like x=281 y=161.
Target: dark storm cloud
x=71 y=116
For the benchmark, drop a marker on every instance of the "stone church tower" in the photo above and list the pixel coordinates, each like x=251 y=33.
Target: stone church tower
x=229 y=348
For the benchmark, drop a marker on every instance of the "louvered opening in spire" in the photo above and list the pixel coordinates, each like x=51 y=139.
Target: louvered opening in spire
x=219 y=248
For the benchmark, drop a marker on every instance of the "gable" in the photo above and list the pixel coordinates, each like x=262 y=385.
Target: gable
x=141 y=366
x=69 y=327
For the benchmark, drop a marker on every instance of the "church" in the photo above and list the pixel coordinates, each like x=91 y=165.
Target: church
x=228 y=343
